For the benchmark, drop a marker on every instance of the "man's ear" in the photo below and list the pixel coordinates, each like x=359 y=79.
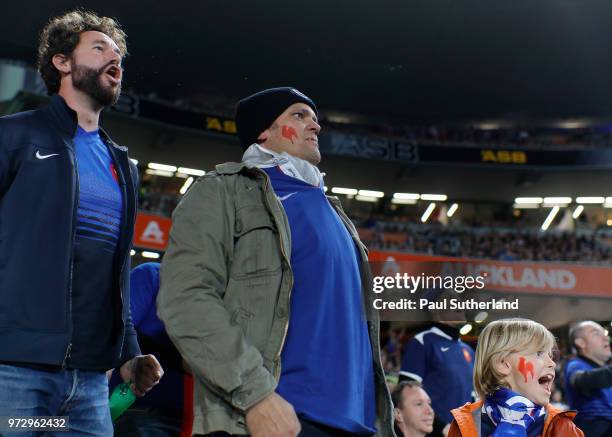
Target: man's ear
x=263 y=136
x=502 y=366
x=62 y=63
x=398 y=415
x=579 y=342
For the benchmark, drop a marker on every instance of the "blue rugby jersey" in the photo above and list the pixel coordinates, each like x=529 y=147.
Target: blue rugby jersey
x=597 y=405
x=327 y=367
x=444 y=364
x=97 y=233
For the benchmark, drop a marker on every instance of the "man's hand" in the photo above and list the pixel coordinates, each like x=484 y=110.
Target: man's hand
x=142 y=372
x=272 y=417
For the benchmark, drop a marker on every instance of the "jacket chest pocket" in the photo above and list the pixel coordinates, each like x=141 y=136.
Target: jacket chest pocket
x=256 y=249
x=40 y=165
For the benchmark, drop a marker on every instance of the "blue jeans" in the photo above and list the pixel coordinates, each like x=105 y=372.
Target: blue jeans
x=78 y=394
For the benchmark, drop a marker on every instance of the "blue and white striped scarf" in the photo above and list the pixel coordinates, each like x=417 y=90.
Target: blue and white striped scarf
x=513 y=415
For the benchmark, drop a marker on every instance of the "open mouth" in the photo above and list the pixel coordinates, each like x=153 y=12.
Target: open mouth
x=114 y=73
x=546 y=382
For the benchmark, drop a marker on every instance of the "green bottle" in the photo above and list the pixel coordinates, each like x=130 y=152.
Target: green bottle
x=120 y=400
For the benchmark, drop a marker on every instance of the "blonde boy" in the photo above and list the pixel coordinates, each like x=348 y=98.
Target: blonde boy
x=513 y=376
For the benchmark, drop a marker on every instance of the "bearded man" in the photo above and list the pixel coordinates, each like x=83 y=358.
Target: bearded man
x=67 y=212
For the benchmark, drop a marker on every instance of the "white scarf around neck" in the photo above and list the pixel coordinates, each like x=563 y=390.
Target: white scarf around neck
x=260 y=157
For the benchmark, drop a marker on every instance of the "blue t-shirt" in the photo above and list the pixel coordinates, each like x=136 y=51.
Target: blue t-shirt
x=445 y=365
x=99 y=208
x=327 y=367
x=596 y=406
x=97 y=234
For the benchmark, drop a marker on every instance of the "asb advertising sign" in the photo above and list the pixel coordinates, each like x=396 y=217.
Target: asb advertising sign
x=372 y=147
x=365 y=146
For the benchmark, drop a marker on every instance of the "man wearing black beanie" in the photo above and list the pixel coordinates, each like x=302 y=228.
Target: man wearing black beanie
x=263 y=289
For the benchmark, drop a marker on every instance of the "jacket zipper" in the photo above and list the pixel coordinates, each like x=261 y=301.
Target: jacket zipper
x=124 y=195
x=284 y=254
x=74 y=219
x=67 y=355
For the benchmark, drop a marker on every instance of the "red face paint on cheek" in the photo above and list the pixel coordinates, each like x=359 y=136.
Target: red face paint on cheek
x=525 y=367
x=289 y=133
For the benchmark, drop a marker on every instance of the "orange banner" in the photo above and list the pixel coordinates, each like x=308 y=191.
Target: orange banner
x=522 y=277
x=151 y=231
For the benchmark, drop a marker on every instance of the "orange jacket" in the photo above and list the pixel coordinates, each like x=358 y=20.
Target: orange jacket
x=557 y=423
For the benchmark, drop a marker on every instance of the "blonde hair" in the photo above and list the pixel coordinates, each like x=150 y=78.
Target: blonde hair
x=498 y=340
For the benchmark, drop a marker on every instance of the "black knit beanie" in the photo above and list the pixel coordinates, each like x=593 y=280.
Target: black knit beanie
x=257 y=112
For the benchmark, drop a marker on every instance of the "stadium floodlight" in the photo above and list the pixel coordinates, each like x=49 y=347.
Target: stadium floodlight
x=428 y=212
x=577 y=212
x=164 y=167
x=525 y=206
x=404 y=201
x=165 y=173
x=347 y=191
x=557 y=201
x=452 y=210
x=549 y=219
x=608 y=202
x=366 y=198
x=434 y=197
x=135 y=161
x=466 y=329
x=528 y=200
x=481 y=317
x=132 y=252
x=186 y=185
x=489 y=126
x=406 y=196
x=191 y=171
x=572 y=124
x=371 y=193
x=590 y=200
x=151 y=255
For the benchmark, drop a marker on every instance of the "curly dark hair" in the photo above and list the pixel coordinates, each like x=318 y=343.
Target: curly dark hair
x=62 y=34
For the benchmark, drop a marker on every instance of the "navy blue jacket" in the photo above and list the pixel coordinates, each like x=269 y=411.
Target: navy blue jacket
x=39 y=190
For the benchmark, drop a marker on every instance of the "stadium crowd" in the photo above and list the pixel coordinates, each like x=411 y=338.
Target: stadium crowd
x=491 y=240
x=492 y=243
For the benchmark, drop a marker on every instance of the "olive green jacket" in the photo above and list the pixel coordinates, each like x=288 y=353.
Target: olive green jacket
x=226 y=283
